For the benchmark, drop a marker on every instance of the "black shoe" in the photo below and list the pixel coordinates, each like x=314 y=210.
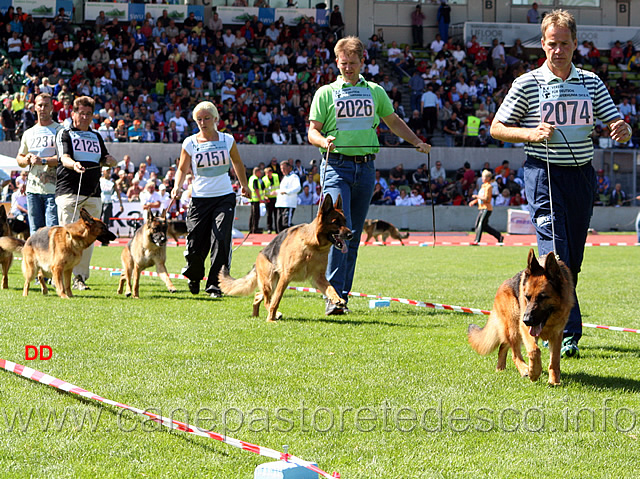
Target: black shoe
x=216 y=294
x=194 y=286
x=501 y=240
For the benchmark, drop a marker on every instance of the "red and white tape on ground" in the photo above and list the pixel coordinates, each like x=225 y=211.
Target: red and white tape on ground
x=458 y=309
x=43 y=378
x=413 y=302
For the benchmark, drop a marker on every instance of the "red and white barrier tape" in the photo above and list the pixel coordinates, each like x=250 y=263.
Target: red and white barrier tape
x=458 y=309
x=48 y=380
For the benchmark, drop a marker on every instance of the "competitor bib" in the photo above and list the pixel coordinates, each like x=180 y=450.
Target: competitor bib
x=568 y=107
x=211 y=158
x=354 y=108
x=42 y=142
x=86 y=146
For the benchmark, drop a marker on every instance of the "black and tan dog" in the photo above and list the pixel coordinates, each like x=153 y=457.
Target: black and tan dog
x=8 y=245
x=297 y=253
x=533 y=304
x=55 y=250
x=176 y=228
x=148 y=247
x=375 y=228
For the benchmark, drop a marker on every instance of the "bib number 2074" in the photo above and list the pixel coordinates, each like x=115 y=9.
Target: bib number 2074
x=567 y=113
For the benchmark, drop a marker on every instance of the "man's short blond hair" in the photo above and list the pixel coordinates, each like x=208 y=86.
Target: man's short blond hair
x=559 y=18
x=349 y=46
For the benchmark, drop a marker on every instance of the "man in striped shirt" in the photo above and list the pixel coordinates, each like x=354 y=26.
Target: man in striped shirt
x=553 y=110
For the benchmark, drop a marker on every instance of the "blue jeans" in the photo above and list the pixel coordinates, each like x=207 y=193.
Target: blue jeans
x=572 y=190
x=42 y=211
x=354 y=182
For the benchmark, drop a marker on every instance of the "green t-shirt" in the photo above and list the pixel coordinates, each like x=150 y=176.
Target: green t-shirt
x=351 y=114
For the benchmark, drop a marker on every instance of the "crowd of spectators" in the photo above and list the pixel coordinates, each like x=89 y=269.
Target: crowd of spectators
x=146 y=77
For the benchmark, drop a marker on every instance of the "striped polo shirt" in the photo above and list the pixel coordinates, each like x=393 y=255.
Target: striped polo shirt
x=521 y=105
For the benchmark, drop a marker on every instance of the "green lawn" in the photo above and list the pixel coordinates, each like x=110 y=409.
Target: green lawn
x=391 y=392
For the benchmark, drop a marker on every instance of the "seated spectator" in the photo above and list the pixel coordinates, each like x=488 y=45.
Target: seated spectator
x=420 y=176
x=133 y=193
x=306 y=197
x=150 y=198
x=616 y=55
x=603 y=186
x=416 y=198
x=438 y=172
x=106 y=131
x=378 y=195
x=397 y=175
x=517 y=200
x=381 y=181
x=135 y=131
x=121 y=133
x=504 y=198
x=390 y=195
x=403 y=199
x=619 y=197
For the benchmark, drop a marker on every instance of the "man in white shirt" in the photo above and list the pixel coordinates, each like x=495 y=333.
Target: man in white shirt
x=438 y=172
x=277 y=76
x=181 y=123
x=437 y=45
x=394 y=54
x=281 y=59
x=287 y=199
x=150 y=199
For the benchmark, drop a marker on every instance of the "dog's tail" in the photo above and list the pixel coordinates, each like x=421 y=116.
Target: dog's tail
x=9 y=243
x=484 y=340
x=238 y=287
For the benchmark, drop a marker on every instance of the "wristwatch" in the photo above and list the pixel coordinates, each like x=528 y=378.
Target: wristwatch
x=44 y=161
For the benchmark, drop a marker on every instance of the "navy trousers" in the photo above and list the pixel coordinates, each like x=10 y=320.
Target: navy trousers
x=572 y=190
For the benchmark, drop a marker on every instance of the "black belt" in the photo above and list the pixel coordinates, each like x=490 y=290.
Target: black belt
x=356 y=159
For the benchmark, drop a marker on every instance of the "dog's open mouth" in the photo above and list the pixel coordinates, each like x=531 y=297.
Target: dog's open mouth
x=339 y=242
x=536 y=330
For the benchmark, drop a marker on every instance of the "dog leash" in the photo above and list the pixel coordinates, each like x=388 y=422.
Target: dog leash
x=75 y=208
x=553 y=227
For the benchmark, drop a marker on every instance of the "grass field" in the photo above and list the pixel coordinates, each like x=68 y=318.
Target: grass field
x=390 y=392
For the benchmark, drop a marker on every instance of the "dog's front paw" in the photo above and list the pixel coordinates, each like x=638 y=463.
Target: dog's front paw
x=173 y=290
x=341 y=303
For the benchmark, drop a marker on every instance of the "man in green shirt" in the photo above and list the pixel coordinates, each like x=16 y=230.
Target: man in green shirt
x=343 y=120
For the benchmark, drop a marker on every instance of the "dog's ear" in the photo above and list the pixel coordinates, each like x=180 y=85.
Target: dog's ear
x=327 y=204
x=338 y=204
x=533 y=267
x=150 y=216
x=86 y=217
x=163 y=214
x=553 y=271
x=3 y=213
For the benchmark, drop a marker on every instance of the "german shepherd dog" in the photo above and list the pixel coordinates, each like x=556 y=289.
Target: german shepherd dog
x=148 y=247
x=534 y=304
x=8 y=245
x=176 y=228
x=295 y=254
x=375 y=228
x=56 y=250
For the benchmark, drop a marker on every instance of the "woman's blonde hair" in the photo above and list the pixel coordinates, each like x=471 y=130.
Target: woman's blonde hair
x=209 y=108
